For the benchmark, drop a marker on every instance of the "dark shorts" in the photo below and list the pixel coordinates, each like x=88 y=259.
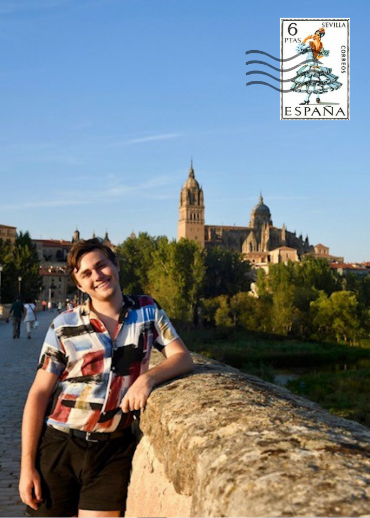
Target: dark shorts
x=78 y=474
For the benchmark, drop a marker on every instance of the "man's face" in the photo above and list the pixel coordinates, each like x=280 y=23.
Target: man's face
x=97 y=276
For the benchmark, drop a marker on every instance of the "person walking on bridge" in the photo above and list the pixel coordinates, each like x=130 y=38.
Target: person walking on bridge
x=77 y=443
x=16 y=313
x=29 y=316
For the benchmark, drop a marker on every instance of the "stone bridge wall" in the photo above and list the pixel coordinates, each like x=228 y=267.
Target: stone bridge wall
x=222 y=443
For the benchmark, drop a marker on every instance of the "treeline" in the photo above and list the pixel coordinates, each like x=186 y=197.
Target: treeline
x=306 y=300
x=19 y=260
x=180 y=274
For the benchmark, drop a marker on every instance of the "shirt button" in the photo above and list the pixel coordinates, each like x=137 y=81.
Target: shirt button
x=113 y=368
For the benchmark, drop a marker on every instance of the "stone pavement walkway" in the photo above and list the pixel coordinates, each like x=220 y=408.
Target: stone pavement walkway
x=18 y=362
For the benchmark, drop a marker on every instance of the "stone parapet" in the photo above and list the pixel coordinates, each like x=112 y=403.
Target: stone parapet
x=222 y=443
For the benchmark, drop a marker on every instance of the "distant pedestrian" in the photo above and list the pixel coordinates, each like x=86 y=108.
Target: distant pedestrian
x=29 y=315
x=50 y=306
x=60 y=307
x=16 y=312
x=44 y=304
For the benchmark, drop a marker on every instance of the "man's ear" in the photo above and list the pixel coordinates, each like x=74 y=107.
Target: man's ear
x=79 y=287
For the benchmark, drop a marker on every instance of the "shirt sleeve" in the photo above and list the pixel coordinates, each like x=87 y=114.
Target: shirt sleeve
x=165 y=332
x=52 y=357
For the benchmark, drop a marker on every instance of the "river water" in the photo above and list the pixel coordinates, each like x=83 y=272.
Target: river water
x=283 y=376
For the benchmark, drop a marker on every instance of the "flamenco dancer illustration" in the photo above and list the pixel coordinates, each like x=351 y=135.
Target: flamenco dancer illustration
x=313 y=78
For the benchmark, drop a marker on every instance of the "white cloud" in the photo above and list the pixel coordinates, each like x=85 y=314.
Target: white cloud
x=153 y=189
x=149 y=138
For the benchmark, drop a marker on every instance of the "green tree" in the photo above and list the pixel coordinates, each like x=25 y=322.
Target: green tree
x=302 y=323
x=209 y=308
x=136 y=258
x=283 y=310
x=176 y=277
x=292 y=287
x=8 y=274
x=361 y=288
x=336 y=317
x=316 y=274
x=20 y=260
x=262 y=283
x=226 y=273
x=280 y=276
x=280 y=286
x=223 y=316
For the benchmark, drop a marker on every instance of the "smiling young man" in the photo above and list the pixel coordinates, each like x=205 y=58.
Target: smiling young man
x=93 y=373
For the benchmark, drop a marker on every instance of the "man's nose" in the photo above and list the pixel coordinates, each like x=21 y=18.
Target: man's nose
x=97 y=274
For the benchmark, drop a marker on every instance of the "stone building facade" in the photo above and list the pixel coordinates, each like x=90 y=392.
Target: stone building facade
x=57 y=285
x=261 y=242
x=7 y=232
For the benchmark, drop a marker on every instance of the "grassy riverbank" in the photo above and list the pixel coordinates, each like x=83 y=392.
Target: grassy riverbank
x=336 y=376
x=343 y=393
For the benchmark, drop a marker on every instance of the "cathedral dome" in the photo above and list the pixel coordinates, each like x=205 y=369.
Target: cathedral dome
x=261 y=209
x=260 y=214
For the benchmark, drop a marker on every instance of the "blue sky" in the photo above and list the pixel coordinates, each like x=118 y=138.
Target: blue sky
x=104 y=102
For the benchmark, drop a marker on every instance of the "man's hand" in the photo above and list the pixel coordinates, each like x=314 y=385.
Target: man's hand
x=137 y=395
x=30 y=488
x=178 y=361
x=33 y=418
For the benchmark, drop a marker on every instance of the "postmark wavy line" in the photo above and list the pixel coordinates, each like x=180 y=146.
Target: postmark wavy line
x=281 y=69
x=272 y=57
x=266 y=74
x=268 y=84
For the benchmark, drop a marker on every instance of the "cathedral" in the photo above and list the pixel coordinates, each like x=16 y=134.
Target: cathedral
x=261 y=242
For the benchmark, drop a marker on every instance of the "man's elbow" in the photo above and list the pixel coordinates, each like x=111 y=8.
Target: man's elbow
x=188 y=363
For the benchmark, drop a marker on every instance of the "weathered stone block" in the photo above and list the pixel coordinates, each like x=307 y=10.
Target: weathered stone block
x=222 y=443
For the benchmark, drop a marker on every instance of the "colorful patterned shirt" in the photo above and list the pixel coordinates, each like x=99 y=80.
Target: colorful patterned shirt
x=95 y=371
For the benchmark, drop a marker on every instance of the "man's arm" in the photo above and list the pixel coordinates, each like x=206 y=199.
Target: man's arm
x=33 y=419
x=178 y=361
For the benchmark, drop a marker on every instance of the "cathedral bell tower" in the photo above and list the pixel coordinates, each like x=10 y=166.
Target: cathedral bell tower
x=191 y=219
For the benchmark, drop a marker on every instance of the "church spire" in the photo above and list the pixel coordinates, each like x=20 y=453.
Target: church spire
x=76 y=236
x=191 y=216
x=191 y=170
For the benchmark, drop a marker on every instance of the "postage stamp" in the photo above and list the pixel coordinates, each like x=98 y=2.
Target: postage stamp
x=314 y=68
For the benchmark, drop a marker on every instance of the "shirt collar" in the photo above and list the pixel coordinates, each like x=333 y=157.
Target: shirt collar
x=127 y=304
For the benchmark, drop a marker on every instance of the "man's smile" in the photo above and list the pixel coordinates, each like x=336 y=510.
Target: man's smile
x=102 y=285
